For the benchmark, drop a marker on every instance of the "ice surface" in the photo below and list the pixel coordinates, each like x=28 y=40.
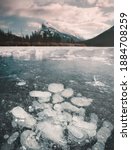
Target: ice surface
x=81 y=101
x=58 y=52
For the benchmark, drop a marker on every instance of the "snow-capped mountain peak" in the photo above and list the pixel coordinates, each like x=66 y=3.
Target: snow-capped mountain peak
x=48 y=31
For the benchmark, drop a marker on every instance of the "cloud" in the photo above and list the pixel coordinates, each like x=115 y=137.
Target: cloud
x=84 y=22
x=85 y=18
x=105 y=3
x=3 y=26
x=91 y=2
x=34 y=25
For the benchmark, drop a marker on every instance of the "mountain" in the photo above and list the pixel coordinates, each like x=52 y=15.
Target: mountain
x=50 y=33
x=104 y=39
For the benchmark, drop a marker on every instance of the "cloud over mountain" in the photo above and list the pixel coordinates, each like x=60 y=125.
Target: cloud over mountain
x=85 y=18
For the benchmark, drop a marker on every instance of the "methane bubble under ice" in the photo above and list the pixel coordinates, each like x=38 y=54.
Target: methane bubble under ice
x=43 y=96
x=81 y=101
x=67 y=93
x=56 y=87
x=59 y=118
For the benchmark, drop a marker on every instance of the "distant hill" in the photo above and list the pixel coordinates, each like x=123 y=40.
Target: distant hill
x=104 y=39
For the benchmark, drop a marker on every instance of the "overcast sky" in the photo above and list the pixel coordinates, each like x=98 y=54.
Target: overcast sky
x=85 y=18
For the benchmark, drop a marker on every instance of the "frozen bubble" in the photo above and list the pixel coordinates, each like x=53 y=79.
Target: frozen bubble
x=19 y=112
x=28 y=140
x=67 y=116
x=14 y=124
x=22 y=118
x=43 y=96
x=67 y=93
x=52 y=132
x=69 y=107
x=46 y=105
x=108 y=125
x=66 y=106
x=36 y=105
x=81 y=101
x=55 y=87
x=103 y=134
x=47 y=113
x=22 y=83
x=88 y=127
x=82 y=112
x=93 y=118
x=72 y=81
x=76 y=132
x=43 y=99
x=30 y=109
x=58 y=107
x=57 y=98
x=98 y=146
x=6 y=136
x=40 y=94
x=13 y=138
x=79 y=95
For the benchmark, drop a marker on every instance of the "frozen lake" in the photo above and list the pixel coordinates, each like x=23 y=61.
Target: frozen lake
x=89 y=71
